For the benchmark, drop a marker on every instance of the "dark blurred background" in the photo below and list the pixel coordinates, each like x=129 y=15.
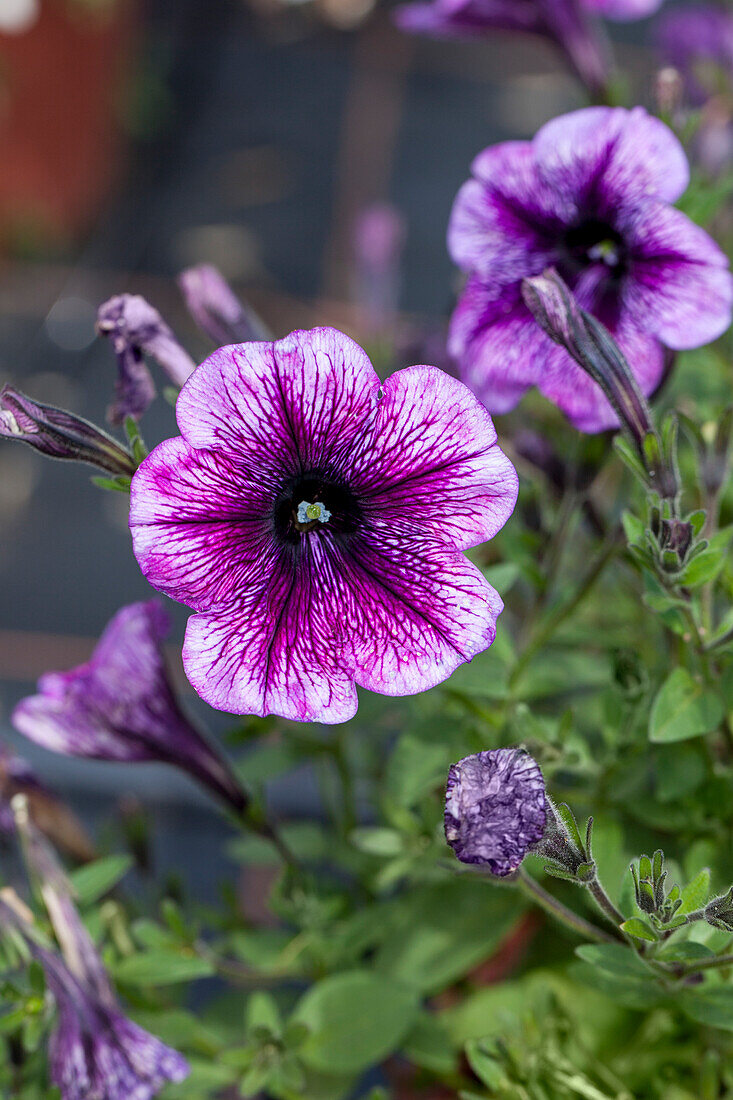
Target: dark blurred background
x=140 y=137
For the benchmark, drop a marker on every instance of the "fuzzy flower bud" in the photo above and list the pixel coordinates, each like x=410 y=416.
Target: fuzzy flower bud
x=216 y=309
x=556 y=311
x=719 y=912
x=60 y=434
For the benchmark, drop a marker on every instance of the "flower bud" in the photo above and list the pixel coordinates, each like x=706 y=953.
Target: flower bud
x=556 y=311
x=60 y=434
x=676 y=535
x=719 y=912
x=217 y=310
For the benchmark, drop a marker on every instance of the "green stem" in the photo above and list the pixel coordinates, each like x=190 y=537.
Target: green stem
x=604 y=903
x=561 y=912
x=705 y=964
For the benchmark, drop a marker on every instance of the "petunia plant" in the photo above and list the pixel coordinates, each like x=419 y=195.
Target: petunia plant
x=482 y=595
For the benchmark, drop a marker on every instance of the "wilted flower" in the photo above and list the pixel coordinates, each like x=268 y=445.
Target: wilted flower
x=495 y=808
x=565 y=23
x=216 y=309
x=95 y=1051
x=120 y=706
x=136 y=329
x=16 y=777
x=314 y=517
x=60 y=434
x=590 y=195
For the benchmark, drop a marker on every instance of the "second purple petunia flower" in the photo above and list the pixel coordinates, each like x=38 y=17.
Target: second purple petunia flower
x=591 y=196
x=314 y=518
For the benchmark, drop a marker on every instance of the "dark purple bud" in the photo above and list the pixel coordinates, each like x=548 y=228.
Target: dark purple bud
x=136 y=329
x=60 y=434
x=121 y=706
x=495 y=808
x=217 y=310
x=556 y=311
x=676 y=535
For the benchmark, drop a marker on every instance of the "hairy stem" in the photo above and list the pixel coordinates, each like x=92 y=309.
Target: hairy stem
x=555 y=908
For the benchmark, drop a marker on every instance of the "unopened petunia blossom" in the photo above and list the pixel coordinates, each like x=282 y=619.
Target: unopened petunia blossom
x=314 y=518
x=591 y=195
x=495 y=808
x=121 y=706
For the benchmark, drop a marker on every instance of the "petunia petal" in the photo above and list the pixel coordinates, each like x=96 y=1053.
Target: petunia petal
x=680 y=287
x=432 y=453
x=280 y=649
x=607 y=158
x=500 y=350
x=418 y=610
x=298 y=402
x=199 y=522
x=505 y=222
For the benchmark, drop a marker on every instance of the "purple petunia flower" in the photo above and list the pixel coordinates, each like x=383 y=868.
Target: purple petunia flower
x=120 y=706
x=590 y=195
x=315 y=518
x=495 y=808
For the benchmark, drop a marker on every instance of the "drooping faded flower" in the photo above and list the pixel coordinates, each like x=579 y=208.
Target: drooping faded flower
x=565 y=23
x=60 y=434
x=95 y=1051
x=136 y=329
x=590 y=196
x=121 y=706
x=314 y=518
x=495 y=808
x=216 y=309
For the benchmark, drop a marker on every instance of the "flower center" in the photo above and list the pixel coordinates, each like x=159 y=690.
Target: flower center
x=308 y=512
x=315 y=502
x=594 y=241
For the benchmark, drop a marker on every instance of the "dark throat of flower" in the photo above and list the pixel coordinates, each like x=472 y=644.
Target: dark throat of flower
x=315 y=501
x=593 y=241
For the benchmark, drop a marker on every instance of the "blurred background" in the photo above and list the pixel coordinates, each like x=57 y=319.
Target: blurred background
x=141 y=136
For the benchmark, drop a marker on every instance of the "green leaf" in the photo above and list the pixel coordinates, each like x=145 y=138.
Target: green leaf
x=438 y=933
x=683 y=708
x=429 y=1045
x=502 y=576
x=712 y=1006
x=93 y=880
x=356 y=1019
x=162 y=968
x=378 y=841
x=696 y=893
x=262 y=1011
x=613 y=958
x=415 y=768
x=639 y=929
